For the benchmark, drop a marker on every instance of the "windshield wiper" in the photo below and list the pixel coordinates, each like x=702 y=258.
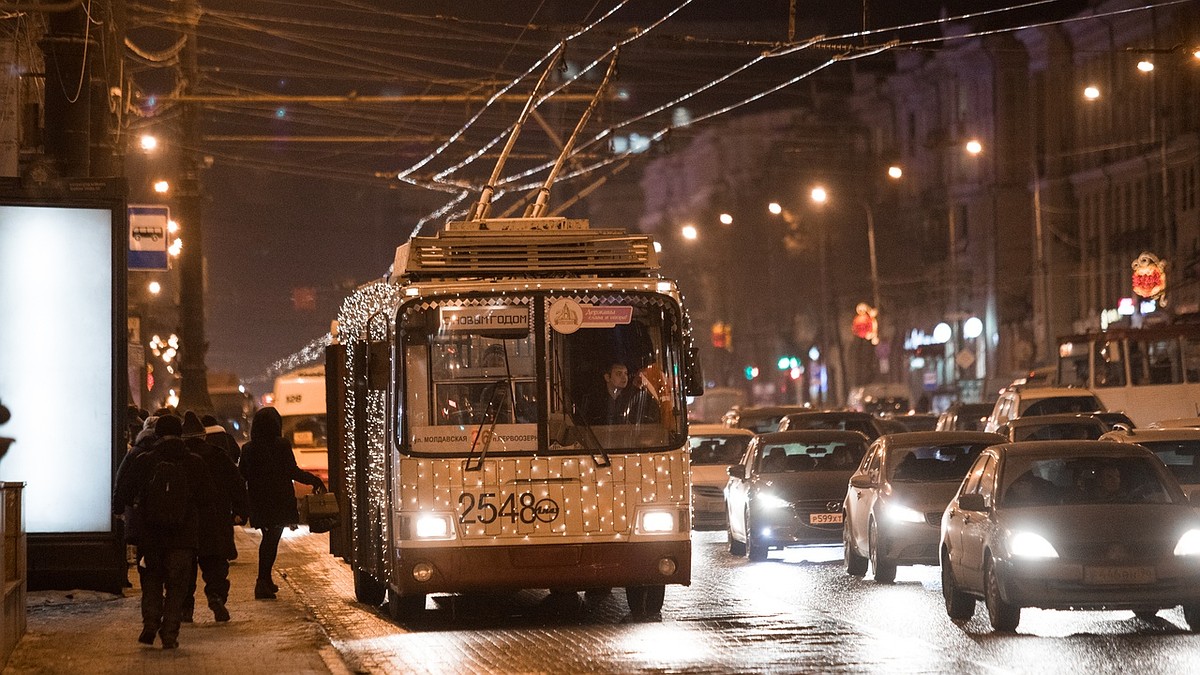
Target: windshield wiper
x=579 y=422
x=491 y=415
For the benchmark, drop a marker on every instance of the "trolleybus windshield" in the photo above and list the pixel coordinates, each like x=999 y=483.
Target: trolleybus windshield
x=518 y=375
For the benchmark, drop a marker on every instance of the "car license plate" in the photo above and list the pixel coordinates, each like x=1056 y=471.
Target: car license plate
x=1118 y=575
x=825 y=519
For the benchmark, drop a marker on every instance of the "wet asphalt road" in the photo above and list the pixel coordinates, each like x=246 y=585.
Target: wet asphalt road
x=797 y=612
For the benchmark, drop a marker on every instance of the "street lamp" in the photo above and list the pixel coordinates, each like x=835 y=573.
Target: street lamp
x=689 y=232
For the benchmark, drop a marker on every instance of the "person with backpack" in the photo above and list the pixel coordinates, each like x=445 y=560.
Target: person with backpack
x=228 y=507
x=167 y=487
x=269 y=468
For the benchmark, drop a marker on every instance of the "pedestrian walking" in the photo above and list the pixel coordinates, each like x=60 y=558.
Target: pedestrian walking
x=228 y=507
x=218 y=436
x=167 y=486
x=269 y=468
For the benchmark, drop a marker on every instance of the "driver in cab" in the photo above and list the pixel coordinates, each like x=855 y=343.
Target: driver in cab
x=623 y=401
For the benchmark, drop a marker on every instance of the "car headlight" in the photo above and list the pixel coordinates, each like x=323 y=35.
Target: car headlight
x=1189 y=543
x=904 y=514
x=770 y=501
x=656 y=521
x=1030 y=545
x=434 y=526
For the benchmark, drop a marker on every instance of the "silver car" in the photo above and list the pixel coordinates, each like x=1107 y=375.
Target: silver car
x=1070 y=525
x=896 y=497
x=1178 y=448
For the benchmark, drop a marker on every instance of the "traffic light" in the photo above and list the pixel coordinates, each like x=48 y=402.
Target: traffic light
x=722 y=336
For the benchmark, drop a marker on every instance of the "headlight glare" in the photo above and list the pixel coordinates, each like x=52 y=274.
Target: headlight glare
x=904 y=514
x=1030 y=545
x=657 y=522
x=433 y=526
x=770 y=501
x=1189 y=543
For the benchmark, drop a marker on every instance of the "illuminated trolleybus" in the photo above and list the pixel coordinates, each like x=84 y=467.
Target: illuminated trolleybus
x=477 y=444
x=1150 y=373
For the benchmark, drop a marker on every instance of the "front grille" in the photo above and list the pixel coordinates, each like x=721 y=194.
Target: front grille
x=707 y=491
x=1112 y=551
x=819 y=506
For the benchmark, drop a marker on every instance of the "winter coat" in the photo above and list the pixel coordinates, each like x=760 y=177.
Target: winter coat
x=229 y=500
x=132 y=483
x=269 y=468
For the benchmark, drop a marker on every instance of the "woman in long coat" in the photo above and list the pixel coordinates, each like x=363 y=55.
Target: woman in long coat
x=269 y=468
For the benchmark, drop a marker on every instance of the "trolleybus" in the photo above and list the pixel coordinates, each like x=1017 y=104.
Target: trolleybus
x=1150 y=373
x=464 y=442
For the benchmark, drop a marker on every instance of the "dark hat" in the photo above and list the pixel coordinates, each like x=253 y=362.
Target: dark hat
x=168 y=425
x=192 y=426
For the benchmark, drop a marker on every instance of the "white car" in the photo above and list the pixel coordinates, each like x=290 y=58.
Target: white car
x=713 y=448
x=1178 y=448
x=894 y=503
x=1017 y=402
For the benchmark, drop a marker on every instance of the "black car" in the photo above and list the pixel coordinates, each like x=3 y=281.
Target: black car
x=788 y=490
x=834 y=420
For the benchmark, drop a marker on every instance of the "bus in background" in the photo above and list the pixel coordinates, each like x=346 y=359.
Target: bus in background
x=233 y=406
x=1150 y=373
x=299 y=396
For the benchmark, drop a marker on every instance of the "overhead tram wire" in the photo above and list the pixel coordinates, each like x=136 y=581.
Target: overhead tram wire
x=860 y=52
x=610 y=51
x=758 y=59
x=505 y=89
x=463 y=195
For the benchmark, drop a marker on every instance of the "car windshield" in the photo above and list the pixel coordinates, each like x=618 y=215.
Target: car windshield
x=1181 y=457
x=932 y=463
x=759 y=424
x=806 y=457
x=1063 y=404
x=708 y=450
x=917 y=422
x=1059 y=431
x=833 y=423
x=1043 y=481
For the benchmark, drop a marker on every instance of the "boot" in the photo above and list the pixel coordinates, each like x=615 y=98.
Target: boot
x=220 y=613
x=263 y=590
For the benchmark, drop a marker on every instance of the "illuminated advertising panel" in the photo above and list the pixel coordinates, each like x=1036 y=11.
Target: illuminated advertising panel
x=56 y=363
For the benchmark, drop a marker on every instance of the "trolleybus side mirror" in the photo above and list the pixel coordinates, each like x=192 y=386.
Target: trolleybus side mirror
x=693 y=379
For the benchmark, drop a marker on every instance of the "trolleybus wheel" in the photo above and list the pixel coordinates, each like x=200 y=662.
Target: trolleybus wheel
x=367 y=590
x=645 y=600
x=405 y=607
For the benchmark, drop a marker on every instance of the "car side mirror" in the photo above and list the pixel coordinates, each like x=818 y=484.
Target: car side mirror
x=972 y=502
x=860 y=480
x=737 y=471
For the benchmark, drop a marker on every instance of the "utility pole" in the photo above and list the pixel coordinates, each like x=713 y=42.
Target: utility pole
x=67 y=48
x=193 y=389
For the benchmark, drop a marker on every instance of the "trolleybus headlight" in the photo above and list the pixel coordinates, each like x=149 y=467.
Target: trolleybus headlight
x=657 y=521
x=434 y=526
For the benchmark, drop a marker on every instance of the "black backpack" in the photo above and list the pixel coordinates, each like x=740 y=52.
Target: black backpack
x=168 y=496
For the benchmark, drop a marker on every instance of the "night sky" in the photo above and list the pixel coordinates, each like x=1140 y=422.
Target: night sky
x=290 y=227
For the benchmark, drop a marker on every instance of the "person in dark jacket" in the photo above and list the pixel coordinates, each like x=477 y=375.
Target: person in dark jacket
x=229 y=507
x=166 y=548
x=128 y=515
x=269 y=468
x=218 y=436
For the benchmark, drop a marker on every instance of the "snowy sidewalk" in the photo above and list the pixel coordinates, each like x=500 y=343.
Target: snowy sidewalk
x=88 y=632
